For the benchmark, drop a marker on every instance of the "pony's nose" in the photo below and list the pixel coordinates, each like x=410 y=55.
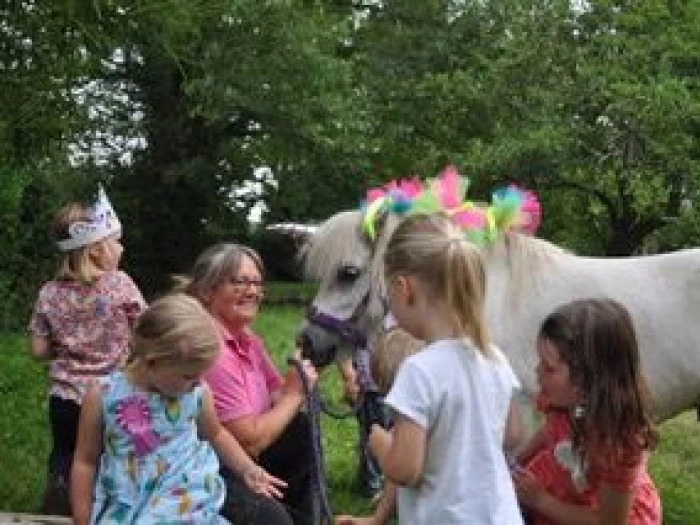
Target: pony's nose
x=316 y=346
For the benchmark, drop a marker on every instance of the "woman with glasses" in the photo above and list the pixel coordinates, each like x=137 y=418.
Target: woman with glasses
x=253 y=401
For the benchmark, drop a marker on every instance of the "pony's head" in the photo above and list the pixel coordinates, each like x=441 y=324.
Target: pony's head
x=345 y=254
x=347 y=263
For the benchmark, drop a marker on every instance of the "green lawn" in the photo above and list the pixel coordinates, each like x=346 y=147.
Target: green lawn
x=24 y=433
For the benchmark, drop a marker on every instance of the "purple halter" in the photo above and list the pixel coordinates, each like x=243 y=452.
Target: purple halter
x=350 y=333
x=345 y=329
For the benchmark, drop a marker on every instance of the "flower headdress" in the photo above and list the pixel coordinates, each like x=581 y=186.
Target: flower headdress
x=511 y=208
x=102 y=222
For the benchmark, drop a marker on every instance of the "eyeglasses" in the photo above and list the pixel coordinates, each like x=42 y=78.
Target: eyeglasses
x=241 y=284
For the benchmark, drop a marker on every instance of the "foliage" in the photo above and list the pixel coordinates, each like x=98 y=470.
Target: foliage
x=637 y=112
x=213 y=90
x=597 y=102
x=40 y=64
x=29 y=196
x=176 y=105
x=279 y=72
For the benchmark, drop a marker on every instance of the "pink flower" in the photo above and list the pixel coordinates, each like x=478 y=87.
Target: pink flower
x=531 y=212
x=374 y=194
x=474 y=218
x=404 y=189
x=134 y=417
x=410 y=188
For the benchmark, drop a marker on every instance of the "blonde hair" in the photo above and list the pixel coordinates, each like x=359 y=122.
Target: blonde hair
x=215 y=265
x=434 y=249
x=389 y=349
x=175 y=331
x=77 y=264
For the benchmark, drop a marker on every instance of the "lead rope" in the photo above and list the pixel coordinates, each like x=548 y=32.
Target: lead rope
x=321 y=508
x=361 y=362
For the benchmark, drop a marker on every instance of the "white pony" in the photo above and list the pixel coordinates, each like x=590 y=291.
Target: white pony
x=527 y=279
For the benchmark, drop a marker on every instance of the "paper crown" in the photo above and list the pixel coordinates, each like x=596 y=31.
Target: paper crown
x=511 y=208
x=102 y=222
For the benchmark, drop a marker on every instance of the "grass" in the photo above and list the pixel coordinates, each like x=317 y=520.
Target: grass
x=25 y=435
x=675 y=468
x=24 y=427
x=278 y=292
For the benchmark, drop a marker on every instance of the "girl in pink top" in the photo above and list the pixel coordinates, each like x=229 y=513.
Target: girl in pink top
x=588 y=462
x=81 y=325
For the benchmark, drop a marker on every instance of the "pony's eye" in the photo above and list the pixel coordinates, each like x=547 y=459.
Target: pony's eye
x=348 y=274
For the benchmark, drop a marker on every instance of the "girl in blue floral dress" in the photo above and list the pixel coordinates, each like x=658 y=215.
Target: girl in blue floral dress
x=148 y=434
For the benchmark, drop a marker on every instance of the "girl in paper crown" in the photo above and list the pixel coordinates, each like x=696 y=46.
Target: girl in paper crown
x=152 y=426
x=81 y=325
x=588 y=462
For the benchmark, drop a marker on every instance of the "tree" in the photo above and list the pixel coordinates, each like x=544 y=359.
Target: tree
x=634 y=106
x=280 y=71
x=595 y=106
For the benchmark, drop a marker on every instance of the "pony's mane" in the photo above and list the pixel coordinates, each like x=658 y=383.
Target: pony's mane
x=527 y=251
x=524 y=259
x=337 y=241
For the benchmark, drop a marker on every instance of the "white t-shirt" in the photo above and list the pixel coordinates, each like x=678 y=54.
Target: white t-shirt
x=461 y=399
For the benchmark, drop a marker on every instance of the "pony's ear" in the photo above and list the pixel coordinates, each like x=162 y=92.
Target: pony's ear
x=297 y=232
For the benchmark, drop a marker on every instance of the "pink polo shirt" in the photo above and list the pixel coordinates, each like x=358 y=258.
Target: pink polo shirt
x=243 y=377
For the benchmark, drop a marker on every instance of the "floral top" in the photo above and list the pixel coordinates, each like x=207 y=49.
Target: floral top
x=561 y=472
x=154 y=469
x=88 y=327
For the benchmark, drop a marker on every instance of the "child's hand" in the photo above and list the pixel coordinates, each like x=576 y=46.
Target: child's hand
x=260 y=482
x=351 y=389
x=528 y=489
x=379 y=437
x=353 y=520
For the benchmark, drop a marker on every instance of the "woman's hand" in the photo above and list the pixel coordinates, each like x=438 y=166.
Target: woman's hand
x=351 y=389
x=260 y=482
